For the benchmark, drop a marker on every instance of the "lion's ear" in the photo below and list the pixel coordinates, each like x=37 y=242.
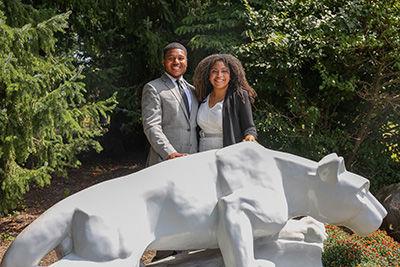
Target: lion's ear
x=242 y=165
x=330 y=167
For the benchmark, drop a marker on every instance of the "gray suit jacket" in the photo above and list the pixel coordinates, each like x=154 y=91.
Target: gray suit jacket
x=166 y=123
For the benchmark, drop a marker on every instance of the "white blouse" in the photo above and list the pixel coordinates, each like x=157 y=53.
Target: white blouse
x=210 y=123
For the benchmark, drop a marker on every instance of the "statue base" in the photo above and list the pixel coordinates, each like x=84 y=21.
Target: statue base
x=284 y=253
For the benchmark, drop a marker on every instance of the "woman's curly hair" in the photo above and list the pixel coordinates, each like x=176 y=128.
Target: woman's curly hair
x=238 y=77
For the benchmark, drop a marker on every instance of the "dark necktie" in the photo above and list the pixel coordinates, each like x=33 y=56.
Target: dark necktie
x=184 y=96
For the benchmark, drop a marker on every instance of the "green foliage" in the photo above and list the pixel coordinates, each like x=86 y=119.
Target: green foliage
x=327 y=74
x=45 y=118
x=119 y=44
x=215 y=26
x=332 y=72
x=6 y=237
x=391 y=139
x=344 y=249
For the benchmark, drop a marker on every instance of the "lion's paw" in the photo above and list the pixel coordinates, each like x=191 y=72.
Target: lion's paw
x=315 y=230
x=306 y=229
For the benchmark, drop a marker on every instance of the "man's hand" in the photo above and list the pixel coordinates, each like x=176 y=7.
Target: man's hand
x=249 y=137
x=176 y=155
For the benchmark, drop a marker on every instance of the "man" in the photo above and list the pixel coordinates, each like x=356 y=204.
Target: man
x=169 y=109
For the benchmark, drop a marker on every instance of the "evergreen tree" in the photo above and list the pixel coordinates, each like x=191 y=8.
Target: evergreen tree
x=45 y=118
x=119 y=44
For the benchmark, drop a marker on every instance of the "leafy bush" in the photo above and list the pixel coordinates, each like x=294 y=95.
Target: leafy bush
x=215 y=26
x=327 y=75
x=331 y=71
x=344 y=249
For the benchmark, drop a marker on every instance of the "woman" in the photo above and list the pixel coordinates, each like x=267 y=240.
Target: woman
x=225 y=115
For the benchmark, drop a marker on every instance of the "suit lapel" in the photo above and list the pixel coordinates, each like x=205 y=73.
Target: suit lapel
x=175 y=91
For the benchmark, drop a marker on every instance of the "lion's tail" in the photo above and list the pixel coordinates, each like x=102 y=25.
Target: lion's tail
x=38 y=239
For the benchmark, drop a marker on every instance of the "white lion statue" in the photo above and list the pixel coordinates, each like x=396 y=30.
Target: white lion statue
x=223 y=199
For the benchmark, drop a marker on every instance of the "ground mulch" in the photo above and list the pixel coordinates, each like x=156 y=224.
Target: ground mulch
x=94 y=170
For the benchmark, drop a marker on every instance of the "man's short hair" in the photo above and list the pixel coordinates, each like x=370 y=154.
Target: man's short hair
x=174 y=45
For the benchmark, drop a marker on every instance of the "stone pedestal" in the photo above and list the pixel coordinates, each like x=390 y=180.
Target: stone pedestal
x=283 y=253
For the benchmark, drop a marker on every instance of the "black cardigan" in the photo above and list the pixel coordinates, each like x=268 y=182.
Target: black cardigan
x=237 y=117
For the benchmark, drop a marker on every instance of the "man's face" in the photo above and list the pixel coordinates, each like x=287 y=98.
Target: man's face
x=175 y=62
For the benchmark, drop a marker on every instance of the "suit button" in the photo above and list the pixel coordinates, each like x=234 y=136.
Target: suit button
x=188 y=130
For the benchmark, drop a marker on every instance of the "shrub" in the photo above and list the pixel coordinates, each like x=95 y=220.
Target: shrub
x=326 y=74
x=331 y=72
x=345 y=249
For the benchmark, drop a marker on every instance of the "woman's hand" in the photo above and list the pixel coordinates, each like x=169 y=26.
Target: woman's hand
x=249 y=137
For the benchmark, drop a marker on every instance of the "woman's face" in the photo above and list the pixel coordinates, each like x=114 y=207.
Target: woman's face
x=219 y=75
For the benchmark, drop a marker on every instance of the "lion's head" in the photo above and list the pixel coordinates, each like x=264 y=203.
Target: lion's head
x=344 y=197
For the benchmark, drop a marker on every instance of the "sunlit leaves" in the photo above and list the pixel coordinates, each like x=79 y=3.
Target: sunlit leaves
x=45 y=117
